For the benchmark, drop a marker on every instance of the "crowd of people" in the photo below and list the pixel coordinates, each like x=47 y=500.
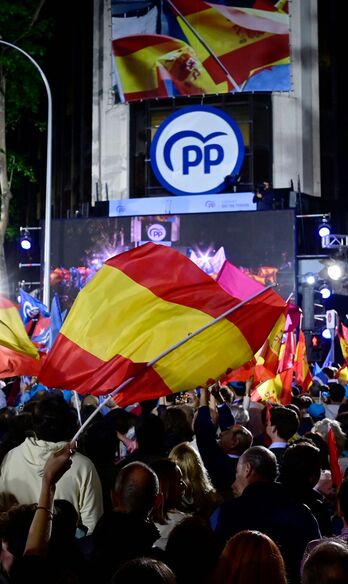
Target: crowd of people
x=206 y=487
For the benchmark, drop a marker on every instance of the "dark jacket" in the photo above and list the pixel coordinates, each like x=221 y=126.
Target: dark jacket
x=267 y=507
x=119 y=537
x=220 y=466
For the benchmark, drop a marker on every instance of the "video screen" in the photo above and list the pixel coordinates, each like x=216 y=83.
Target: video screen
x=261 y=244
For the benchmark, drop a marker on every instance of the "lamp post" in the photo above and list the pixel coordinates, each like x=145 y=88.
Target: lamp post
x=47 y=237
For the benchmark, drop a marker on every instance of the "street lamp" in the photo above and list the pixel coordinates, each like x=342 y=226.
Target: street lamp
x=47 y=237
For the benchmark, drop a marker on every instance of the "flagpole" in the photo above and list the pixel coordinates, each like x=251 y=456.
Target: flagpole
x=166 y=352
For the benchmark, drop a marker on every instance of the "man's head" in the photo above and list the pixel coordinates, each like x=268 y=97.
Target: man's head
x=53 y=419
x=136 y=489
x=301 y=466
x=327 y=563
x=235 y=440
x=336 y=392
x=255 y=465
x=282 y=425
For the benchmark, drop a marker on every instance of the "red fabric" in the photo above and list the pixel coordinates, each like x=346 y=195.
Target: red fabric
x=336 y=472
x=13 y=363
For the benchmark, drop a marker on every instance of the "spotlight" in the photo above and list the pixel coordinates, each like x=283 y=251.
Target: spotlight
x=324 y=228
x=326 y=334
x=310 y=279
x=335 y=271
x=25 y=240
x=325 y=291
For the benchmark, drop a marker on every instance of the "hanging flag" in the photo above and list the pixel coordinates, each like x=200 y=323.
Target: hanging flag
x=301 y=367
x=30 y=307
x=236 y=283
x=18 y=355
x=140 y=304
x=276 y=390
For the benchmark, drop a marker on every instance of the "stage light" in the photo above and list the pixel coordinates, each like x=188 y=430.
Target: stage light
x=325 y=291
x=310 y=279
x=335 y=272
x=324 y=228
x=25 y=240
x=326 y=334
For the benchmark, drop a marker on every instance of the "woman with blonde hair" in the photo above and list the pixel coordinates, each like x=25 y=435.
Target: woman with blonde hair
x=200 y=496
x=250 y=557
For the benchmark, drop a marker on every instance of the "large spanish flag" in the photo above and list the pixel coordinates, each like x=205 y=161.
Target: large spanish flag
x=160 y=66
x=18 y=355
x=140 y=304
x=238 y=40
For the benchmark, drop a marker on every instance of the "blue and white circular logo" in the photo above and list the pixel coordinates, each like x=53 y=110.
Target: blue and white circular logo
x=156 y=232
x=194 y=149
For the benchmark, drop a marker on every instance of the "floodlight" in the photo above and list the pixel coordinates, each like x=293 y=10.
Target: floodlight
x=325 y=291
x=25 y=240
x=334 y=271
x=324 y=228
x=310 y=279
x=326 y=334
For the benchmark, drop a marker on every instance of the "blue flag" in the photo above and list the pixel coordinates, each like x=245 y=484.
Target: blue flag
x=318 y=374
x=329 y=358
x=30 y=307
x=57 y=318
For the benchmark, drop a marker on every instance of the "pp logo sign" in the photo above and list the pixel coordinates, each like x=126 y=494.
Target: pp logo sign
x=195 y=149
x=156 y=232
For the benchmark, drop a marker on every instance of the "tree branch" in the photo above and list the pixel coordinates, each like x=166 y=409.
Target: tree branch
x=32 y=22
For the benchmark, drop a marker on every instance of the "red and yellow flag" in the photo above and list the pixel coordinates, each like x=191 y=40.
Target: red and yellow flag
x=344 y=348
x=344 y=331
x=159 y=66
x=242 y=41
x=287 y=352
x=18 y=355
x=267 y=360
x=276 y=390
x=244 y=373
x=136 y=307
x=301 y=367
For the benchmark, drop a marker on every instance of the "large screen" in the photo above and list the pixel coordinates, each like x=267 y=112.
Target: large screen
x=169 y=48
x=261 y=243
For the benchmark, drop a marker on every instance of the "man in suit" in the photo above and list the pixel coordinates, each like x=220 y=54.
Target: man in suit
x=261 y=504
x=220 y=456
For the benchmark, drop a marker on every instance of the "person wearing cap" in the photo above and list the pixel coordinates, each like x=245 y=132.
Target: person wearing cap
x=316 y=412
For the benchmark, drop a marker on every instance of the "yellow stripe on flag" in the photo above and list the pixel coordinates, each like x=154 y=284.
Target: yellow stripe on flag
x=106 y=331
x=13 y=334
